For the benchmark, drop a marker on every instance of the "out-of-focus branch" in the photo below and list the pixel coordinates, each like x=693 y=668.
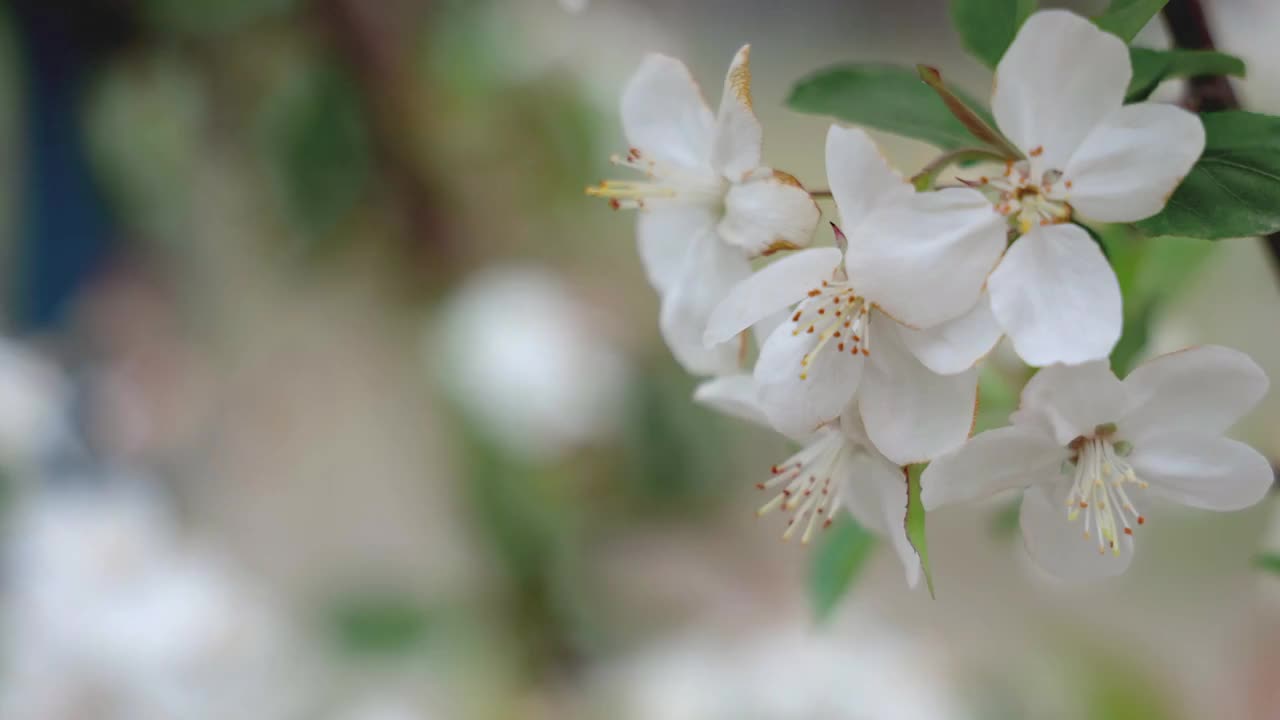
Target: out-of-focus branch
x=1190 y=30
x=373 y=39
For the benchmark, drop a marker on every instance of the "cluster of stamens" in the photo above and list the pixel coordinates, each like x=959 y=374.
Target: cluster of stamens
x=1100 y=474
x=666 y=182
x=1029 y=202
x=806 y=486
x=839 y=318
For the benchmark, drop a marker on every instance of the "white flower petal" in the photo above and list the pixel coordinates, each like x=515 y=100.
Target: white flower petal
x=738 y=135
x=770 y=214
x=665 y=116
x=796 y=406
x=956 y=345
x=911 y=413
x=1203 y=471
x=1203 y=389
x=711 y=270
x=1128 y=166
x=664 y=234
x=859 y=495
x=1059 y=78
x=764 y=327
x=876 y=492
x=1056 y=297
x=1074 y=399
x=776 y=286
x=1059 y=546
x=996 y=460
x=925 y=257
x=733 y=395
x=861 y=179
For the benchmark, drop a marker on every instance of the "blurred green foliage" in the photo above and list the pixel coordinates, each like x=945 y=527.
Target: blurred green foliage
x=532 y=520
x=842 y=552
x=673 y=449
x=1268 y=561
x=315 y=135
x=212 y=16
x=380 y=624
x=148 y=176
x=1116 y=689
x=997 y=398
x=1151 y=271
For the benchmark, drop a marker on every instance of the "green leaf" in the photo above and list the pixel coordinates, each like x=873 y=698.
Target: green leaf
x=978 y=126
x=1232 y=190
x=842 y=555
x=884 y=97
x=1125 y=252
x=915 y=522
x=1125 y=18
x=1152 y=67
x=987 y=27
x=1268 y=561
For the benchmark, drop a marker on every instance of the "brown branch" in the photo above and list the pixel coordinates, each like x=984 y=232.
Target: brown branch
x=1190 y=30
x=372 y=40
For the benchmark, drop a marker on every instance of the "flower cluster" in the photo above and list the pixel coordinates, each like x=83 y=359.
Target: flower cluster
x=869 y=350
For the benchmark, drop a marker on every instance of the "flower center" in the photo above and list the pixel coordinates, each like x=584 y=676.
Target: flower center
x=1098 y=483
x=806 y=486
x=838 y=316
x=1029 y=202
x=667 y=183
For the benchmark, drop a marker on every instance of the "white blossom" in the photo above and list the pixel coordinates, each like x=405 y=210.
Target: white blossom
x=109 y=614
x=1090 y=450
x=708 y=204
x=864 y=669
x=838 y=468
x=1059 y=95
x=31 y=413
x=521 y=356
x=899 y=314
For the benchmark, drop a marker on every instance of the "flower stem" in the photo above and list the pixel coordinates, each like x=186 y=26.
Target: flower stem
x=928 y=175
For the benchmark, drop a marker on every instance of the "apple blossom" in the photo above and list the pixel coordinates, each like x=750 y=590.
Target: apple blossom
x=902 y=306
x=1089 y=449
x=708 y=204
x=838 y=467
x=1059 y=97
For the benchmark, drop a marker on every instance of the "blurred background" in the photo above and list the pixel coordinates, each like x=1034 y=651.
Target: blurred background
x=326 y=393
